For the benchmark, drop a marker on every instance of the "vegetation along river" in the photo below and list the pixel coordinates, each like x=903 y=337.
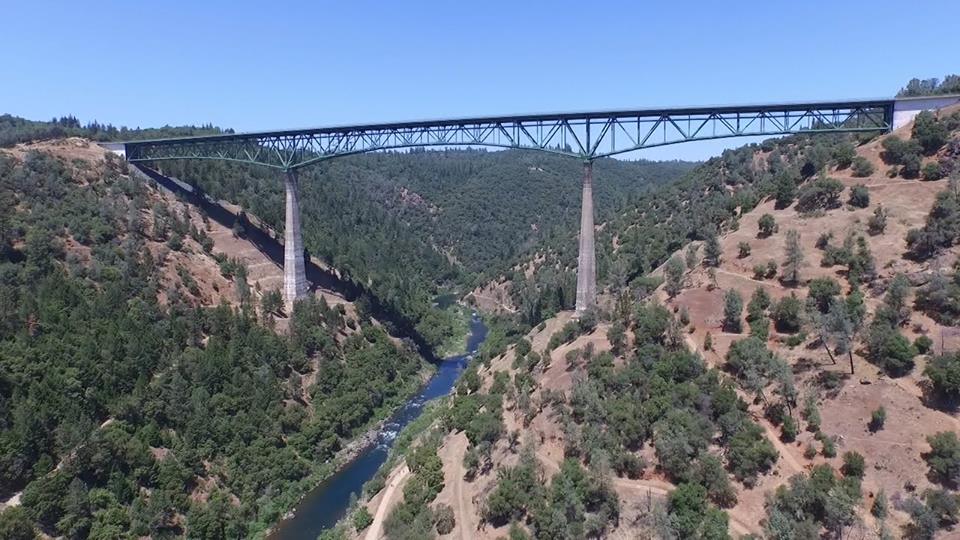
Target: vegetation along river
x=326 y=504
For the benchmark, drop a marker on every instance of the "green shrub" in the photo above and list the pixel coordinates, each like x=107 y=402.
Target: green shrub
x=853 y=464
x=943 y=374
x=786 y=314
x=877 y=418
x=932 y=171
x=862 y=167
x=944 y=457
x=877 y=224
x=766 y=226
x=929 y=132
x=362 y=518
x=821 y=194
x=911 y=166
x=444 y=518
x=923 y=344
x=829 y=448
x=789 y=430
x=897 y=151
x=859 y=196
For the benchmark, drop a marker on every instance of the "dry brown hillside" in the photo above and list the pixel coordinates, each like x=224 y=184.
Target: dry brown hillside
x=893 y=455
x=200 y=264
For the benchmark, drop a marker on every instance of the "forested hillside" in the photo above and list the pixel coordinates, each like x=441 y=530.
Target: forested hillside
x=15 y=130
x=131 y=403
x=407 y=225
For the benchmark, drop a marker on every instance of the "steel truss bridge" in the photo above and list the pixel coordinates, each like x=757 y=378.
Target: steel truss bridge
x=584 y=136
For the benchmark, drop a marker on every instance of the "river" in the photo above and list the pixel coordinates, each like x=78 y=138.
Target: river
x=327 y=503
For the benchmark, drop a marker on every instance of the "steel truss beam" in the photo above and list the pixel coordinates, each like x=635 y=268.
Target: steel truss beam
x=586 y=136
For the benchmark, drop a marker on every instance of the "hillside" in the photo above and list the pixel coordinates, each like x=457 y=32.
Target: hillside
x=410 y=225
x=695 y=407
x=149 y=381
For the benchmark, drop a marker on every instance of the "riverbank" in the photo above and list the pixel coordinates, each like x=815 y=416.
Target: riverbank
x=350 y=452
x=456 y=344
x=329 y=503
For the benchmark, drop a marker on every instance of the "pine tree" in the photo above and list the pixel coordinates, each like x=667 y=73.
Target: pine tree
x=712 y=251
x=794 y=258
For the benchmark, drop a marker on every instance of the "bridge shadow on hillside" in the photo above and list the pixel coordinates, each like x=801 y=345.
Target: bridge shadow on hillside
x=272 y=248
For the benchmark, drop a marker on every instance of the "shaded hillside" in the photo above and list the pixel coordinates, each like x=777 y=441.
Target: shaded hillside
x=142 y=390
x=408 y=224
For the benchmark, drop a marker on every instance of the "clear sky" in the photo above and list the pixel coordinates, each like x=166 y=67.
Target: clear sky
x=266 y=65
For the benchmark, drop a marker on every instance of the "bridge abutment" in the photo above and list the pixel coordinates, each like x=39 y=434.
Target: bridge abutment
x=587 y=258
x=294 y=271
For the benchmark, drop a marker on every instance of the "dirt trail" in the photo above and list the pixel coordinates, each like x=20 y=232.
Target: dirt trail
x=493 y=300
x=768 y=283
x=466 y=522
x=375 y=531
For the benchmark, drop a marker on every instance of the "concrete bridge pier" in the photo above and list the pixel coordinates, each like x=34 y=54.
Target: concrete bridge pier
x=587 y=260
x=294 y=272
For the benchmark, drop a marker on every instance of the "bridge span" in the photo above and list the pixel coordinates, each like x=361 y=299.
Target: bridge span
x=585 y=136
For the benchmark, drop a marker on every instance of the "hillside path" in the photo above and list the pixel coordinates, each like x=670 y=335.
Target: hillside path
x=375 y=531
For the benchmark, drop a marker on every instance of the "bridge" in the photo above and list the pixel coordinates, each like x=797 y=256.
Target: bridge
x=585 y=136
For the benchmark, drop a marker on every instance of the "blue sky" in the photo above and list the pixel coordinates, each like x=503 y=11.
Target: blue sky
x=266 y=65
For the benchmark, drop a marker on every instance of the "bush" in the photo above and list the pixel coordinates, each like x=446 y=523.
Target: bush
x=786 y=314
x=628 y=464
x=844 y=154
x=859 y=196
x=823 y=241
x=829 y=447
x=853 y=464
x=879 y=508
x=823 y=291
x=932 y=171
x=766 y=226
x=15 y=524
x=795 y=340
x=944 y=457
x=821 y=194
x=750 y=453
x=923 y=344
x=674 y=273
x=911 y=166
x=877 y=418
x=877 y=224
x=862 y=167
x=444 y=518
x=896 y=151
x=789 y=430
x=759 y=302
x=943 y=373
x=786 y=190
x=929 y=132
x=362 y=518
x=889 y=349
